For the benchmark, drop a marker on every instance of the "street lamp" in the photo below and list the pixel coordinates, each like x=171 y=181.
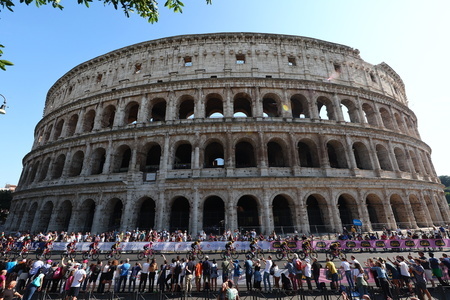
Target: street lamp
x=3 y=106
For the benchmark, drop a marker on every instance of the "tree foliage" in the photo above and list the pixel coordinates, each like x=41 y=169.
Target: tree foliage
x=445 y=180
x=147 y=9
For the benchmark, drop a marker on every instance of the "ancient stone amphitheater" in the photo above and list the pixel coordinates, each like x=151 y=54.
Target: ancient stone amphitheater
x=226 y=131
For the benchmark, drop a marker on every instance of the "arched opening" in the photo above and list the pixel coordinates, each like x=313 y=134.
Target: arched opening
x=62 y=218
x=45 y=217
x=33 y=172
x=325 y=108
x=89 y=121
x=336 y=155
x=400 y=123
x=183 y=157
x=147 y=212
x=307 y=153
x=242 y=106
x=383 y=158
x=152 y=159
x=48 y=133
x=376 y=211
x=270 y=106
x=316 y=207
x=30 y=218
x=401 y=160
x=76 y=164
x=115 y=219
x=98 y=161
x=412 y=154
x=44 y=170
x=214 y=215
x=131 y=113
x=214 y=156
x=186 y=109
x=351 y=113
x=399 y=211
x=179 y=214
x=386 y=118
x=348 y=209
x=58 y=129
x=72 y=125
x=244 y=155
x=433 y=210
x=362 y=156
x=299 y=106
x=108 y=116
x=58 y=166
x=87 y=210
x=282 y=215
x=369 y=114
x=247 y=213
x=214 y=106
x=158 y=113
x=122 y=159
x=275 y=155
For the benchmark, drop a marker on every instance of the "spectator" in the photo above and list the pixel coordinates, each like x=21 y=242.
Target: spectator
x=248 y=266
x=123 y=273
x=266 y=274
x=133 y=276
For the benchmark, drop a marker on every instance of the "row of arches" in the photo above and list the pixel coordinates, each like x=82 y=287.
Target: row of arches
x=215 y=105
x=315 y=213
x=335 y=152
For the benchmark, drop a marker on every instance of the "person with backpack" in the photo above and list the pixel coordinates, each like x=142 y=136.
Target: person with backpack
x=95 y=270
x=299 y=268
x=48 y=271
x=206 y=273
x=57 y=275
x=34 y=285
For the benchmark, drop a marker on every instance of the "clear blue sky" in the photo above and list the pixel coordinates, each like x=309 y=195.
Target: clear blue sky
x=45 y=43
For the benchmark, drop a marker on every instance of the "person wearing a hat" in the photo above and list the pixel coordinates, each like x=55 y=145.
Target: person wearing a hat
x=307 y=272
x=236 y=272
x=78 y=277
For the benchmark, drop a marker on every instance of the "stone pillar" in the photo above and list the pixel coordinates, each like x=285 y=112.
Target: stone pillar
x=393 y=159
x=411 y=216
x=314 y=113
x=373 y=154
x=302 y=217
x=165 y=162
x=196 y=223
x=338 y=108
x=266 y=211
x=388 y=211
x=257 y=103
x=79 y=126
x=199 y=109
x=100 y=221
x=107 y=167
x=333 y=213
x=171 y=107
x=120 y=113
x=143 y=113
x=350 y=155
x=161 y=212
x=362 y=115
x=129 y=218
x=285 y=105
x=377 y=115
x=228 y=108
x=363 y=212
x=67 y=163
x=87 y=161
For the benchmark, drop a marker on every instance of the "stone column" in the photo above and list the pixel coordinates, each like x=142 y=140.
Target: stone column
x=411 y=217
x=350 y=155
x=363 y=212
x=199 y=109
x=143 y=113
x=257 y=103
x=388 y=211
x=373 y=154
x=268 y=226
x=162 y=213
x=196 y=223
x=313 y=112
x=79 y=126
x=228 y=107
x=100 y=221
x=338 y=108
x=171 y=107
x=67 y=163
x=107 y=167
x=302 y=213
x=87 y=161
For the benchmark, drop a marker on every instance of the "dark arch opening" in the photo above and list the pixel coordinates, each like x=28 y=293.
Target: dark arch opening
x=247 y=213
x=282 y=215
x=315 y=215
x=146 y=219
x=214 y=215
x=179 y=214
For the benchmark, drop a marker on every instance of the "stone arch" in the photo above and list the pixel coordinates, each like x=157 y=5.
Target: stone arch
x=348 y=209
x=146 y=214
x=399 y=210
x=58 y=166
x=419 y=211
x=58 y=129
x=44 y=217
x=48 y=133
x=271 y=105
x=377 y=212
x=158 y=110
x=415 y=162
x=283 y=209
x=386 y=118
x=362 y=156
x=183 y=156
x=325 y=108
x=383 y=158
x=186 y=107
x=34 y=171
x=244 y=153
x=248 y=212
x=276 y=154
x=242 y=105
x=131 y=113
x=300 y=106
x=108 y=115
x=151 y=159
x=179 y=214
x=400 y=124
x=76 y=164
x=115 y=212
x=318 y=211
x=400 y=157
x=72 y=125
x=214 y=215
x=63 y=216
x=19 y=216
x=336 y=155
x=214 y=156
x=28 y=222
x=369 y=114
x=425 y=163
x=122 y=159
x=98 y=159
x=308 y=153
x=86 y=213
x=213 y=106
x=352 y=113
x=89 y=121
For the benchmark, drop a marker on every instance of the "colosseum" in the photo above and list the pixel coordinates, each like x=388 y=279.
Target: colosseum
x=228 y=131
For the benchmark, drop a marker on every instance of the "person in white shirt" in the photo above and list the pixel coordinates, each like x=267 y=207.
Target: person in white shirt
x=345 y=265
x=307 y=272
x=144 y=276
x=78 y=277
x=266 y=276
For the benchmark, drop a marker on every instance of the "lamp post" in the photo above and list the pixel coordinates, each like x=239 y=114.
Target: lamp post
x=3 y=106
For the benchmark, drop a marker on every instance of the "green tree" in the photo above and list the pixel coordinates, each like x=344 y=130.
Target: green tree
x=145 y=8
x=445 y=180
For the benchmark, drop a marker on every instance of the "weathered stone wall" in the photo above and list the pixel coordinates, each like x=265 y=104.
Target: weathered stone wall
x=228 y=130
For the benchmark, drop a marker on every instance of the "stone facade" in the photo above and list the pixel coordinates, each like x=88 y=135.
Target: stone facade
x=228 y=130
